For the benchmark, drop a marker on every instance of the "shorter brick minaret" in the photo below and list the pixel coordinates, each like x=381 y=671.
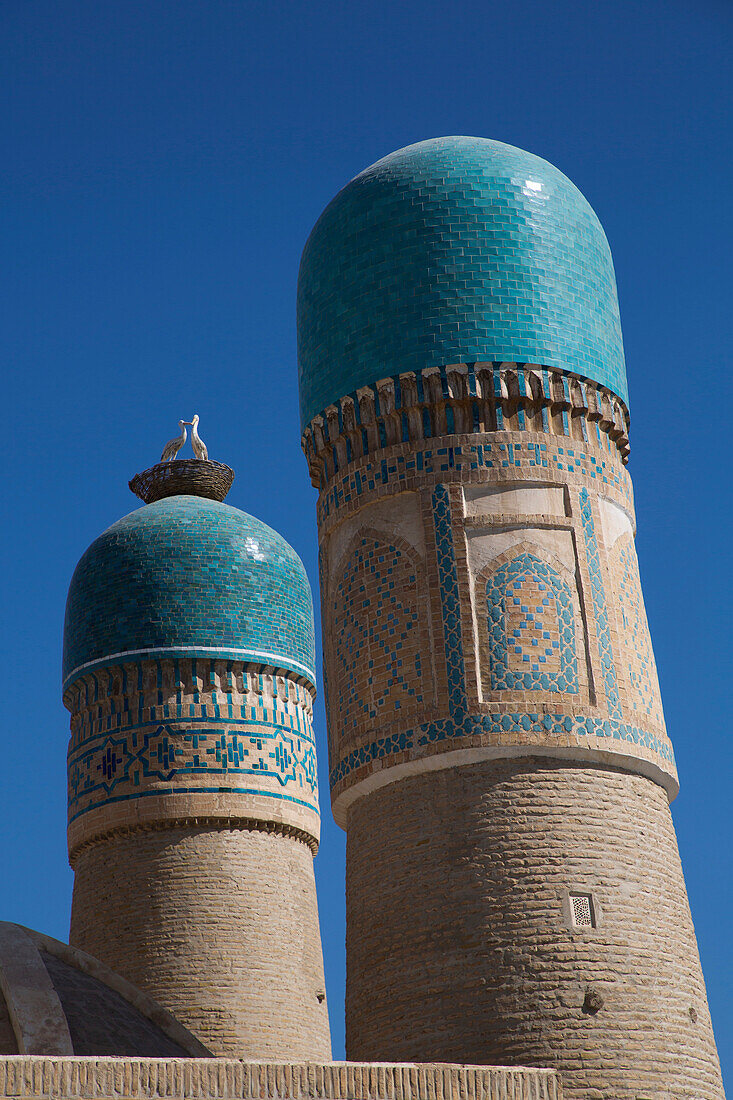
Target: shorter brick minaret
x=193 y=801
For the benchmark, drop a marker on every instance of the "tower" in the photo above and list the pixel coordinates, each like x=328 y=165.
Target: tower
x=498 y=753
x=193 y=802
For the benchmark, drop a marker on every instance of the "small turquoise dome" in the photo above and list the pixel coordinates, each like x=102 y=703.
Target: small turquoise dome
x=457 y=249
x=187 y=576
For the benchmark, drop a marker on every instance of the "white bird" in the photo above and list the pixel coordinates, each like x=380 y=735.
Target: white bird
x=171 y=449
x=199 y=447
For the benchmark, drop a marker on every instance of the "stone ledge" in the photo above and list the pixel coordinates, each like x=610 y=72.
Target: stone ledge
x=68 y=1078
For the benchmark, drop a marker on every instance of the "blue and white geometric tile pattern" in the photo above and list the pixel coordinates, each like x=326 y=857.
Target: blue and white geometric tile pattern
x=528 y=456
x=140 y=762
x=531 y=628
x=450 y=600
x=641 y=666
x=472 y=725
x=378 y=661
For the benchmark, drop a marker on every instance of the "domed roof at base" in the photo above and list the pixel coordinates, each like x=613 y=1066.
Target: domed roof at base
x=59 y=1000
x=457 y=249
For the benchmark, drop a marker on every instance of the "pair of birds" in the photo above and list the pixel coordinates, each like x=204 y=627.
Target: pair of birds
x=199 y=447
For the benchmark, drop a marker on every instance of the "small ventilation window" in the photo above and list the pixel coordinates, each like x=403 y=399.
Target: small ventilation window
x=582 y=906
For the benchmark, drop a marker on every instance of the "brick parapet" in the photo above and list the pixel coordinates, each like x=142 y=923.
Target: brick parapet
x=235 y=1079
x=161 y=741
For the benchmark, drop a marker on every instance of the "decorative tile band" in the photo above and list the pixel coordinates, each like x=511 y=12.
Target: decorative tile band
x=476 y=725
x=140 y=761
x=465 y=460
x=145 y=692
x=599 y=606
x=450 y=600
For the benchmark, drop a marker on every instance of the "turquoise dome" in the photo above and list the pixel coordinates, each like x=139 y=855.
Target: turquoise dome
x=457 y=249
x=190 y=577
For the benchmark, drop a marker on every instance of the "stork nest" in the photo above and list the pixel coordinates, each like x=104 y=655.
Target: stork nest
x=183 y=477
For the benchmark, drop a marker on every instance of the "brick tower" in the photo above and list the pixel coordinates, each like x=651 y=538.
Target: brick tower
x=498 y=752
x=193 y=805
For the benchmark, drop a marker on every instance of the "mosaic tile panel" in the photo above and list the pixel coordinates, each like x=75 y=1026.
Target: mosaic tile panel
x=639 y=662
x=599 y=606
x=450 y=600
x=378 y=666
x=189 y=576
x=531 y=628
x=465 y=250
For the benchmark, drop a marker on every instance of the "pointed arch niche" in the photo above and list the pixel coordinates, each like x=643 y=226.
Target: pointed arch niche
x=376 y=626
x=531 y=635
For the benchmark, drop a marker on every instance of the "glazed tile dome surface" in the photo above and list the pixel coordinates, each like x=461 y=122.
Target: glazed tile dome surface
x=457 y=249
x=187 y=576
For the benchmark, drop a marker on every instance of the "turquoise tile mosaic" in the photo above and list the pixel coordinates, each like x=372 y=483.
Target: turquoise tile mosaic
x=598 y=593
x=531 y=628
x=401 y=470
x=375 y=623
x=100 y=766
x=473 y=725
x=641 y=667
x=458 y=249
x=450 y=600
x=189 y=577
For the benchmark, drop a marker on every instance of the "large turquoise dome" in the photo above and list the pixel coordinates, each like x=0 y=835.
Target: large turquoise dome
x=457 y=249
x=187 y=576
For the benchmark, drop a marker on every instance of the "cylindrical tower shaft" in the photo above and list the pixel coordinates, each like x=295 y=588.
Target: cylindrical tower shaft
x=225 y=938
x=498 y=752
x=201 y=894
x=193 y=796
x=494 y=964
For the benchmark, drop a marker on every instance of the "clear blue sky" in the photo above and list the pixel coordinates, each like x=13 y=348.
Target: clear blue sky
x=161 y=166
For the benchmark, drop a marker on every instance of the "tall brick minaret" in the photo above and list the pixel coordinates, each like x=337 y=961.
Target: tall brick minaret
x=498 y=751
x=193 y=801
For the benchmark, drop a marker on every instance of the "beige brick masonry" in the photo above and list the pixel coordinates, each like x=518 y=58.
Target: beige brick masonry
x=229 y=1079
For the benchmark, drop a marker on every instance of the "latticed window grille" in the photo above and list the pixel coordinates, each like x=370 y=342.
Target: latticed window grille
x=582 y=910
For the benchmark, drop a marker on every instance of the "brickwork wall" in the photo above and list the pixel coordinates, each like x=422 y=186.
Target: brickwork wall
x=230 y=1079
x=475 y=918
x=220 y=926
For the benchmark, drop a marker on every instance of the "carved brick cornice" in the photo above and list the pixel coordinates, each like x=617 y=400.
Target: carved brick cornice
x=460 y=400
x=200 y=823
